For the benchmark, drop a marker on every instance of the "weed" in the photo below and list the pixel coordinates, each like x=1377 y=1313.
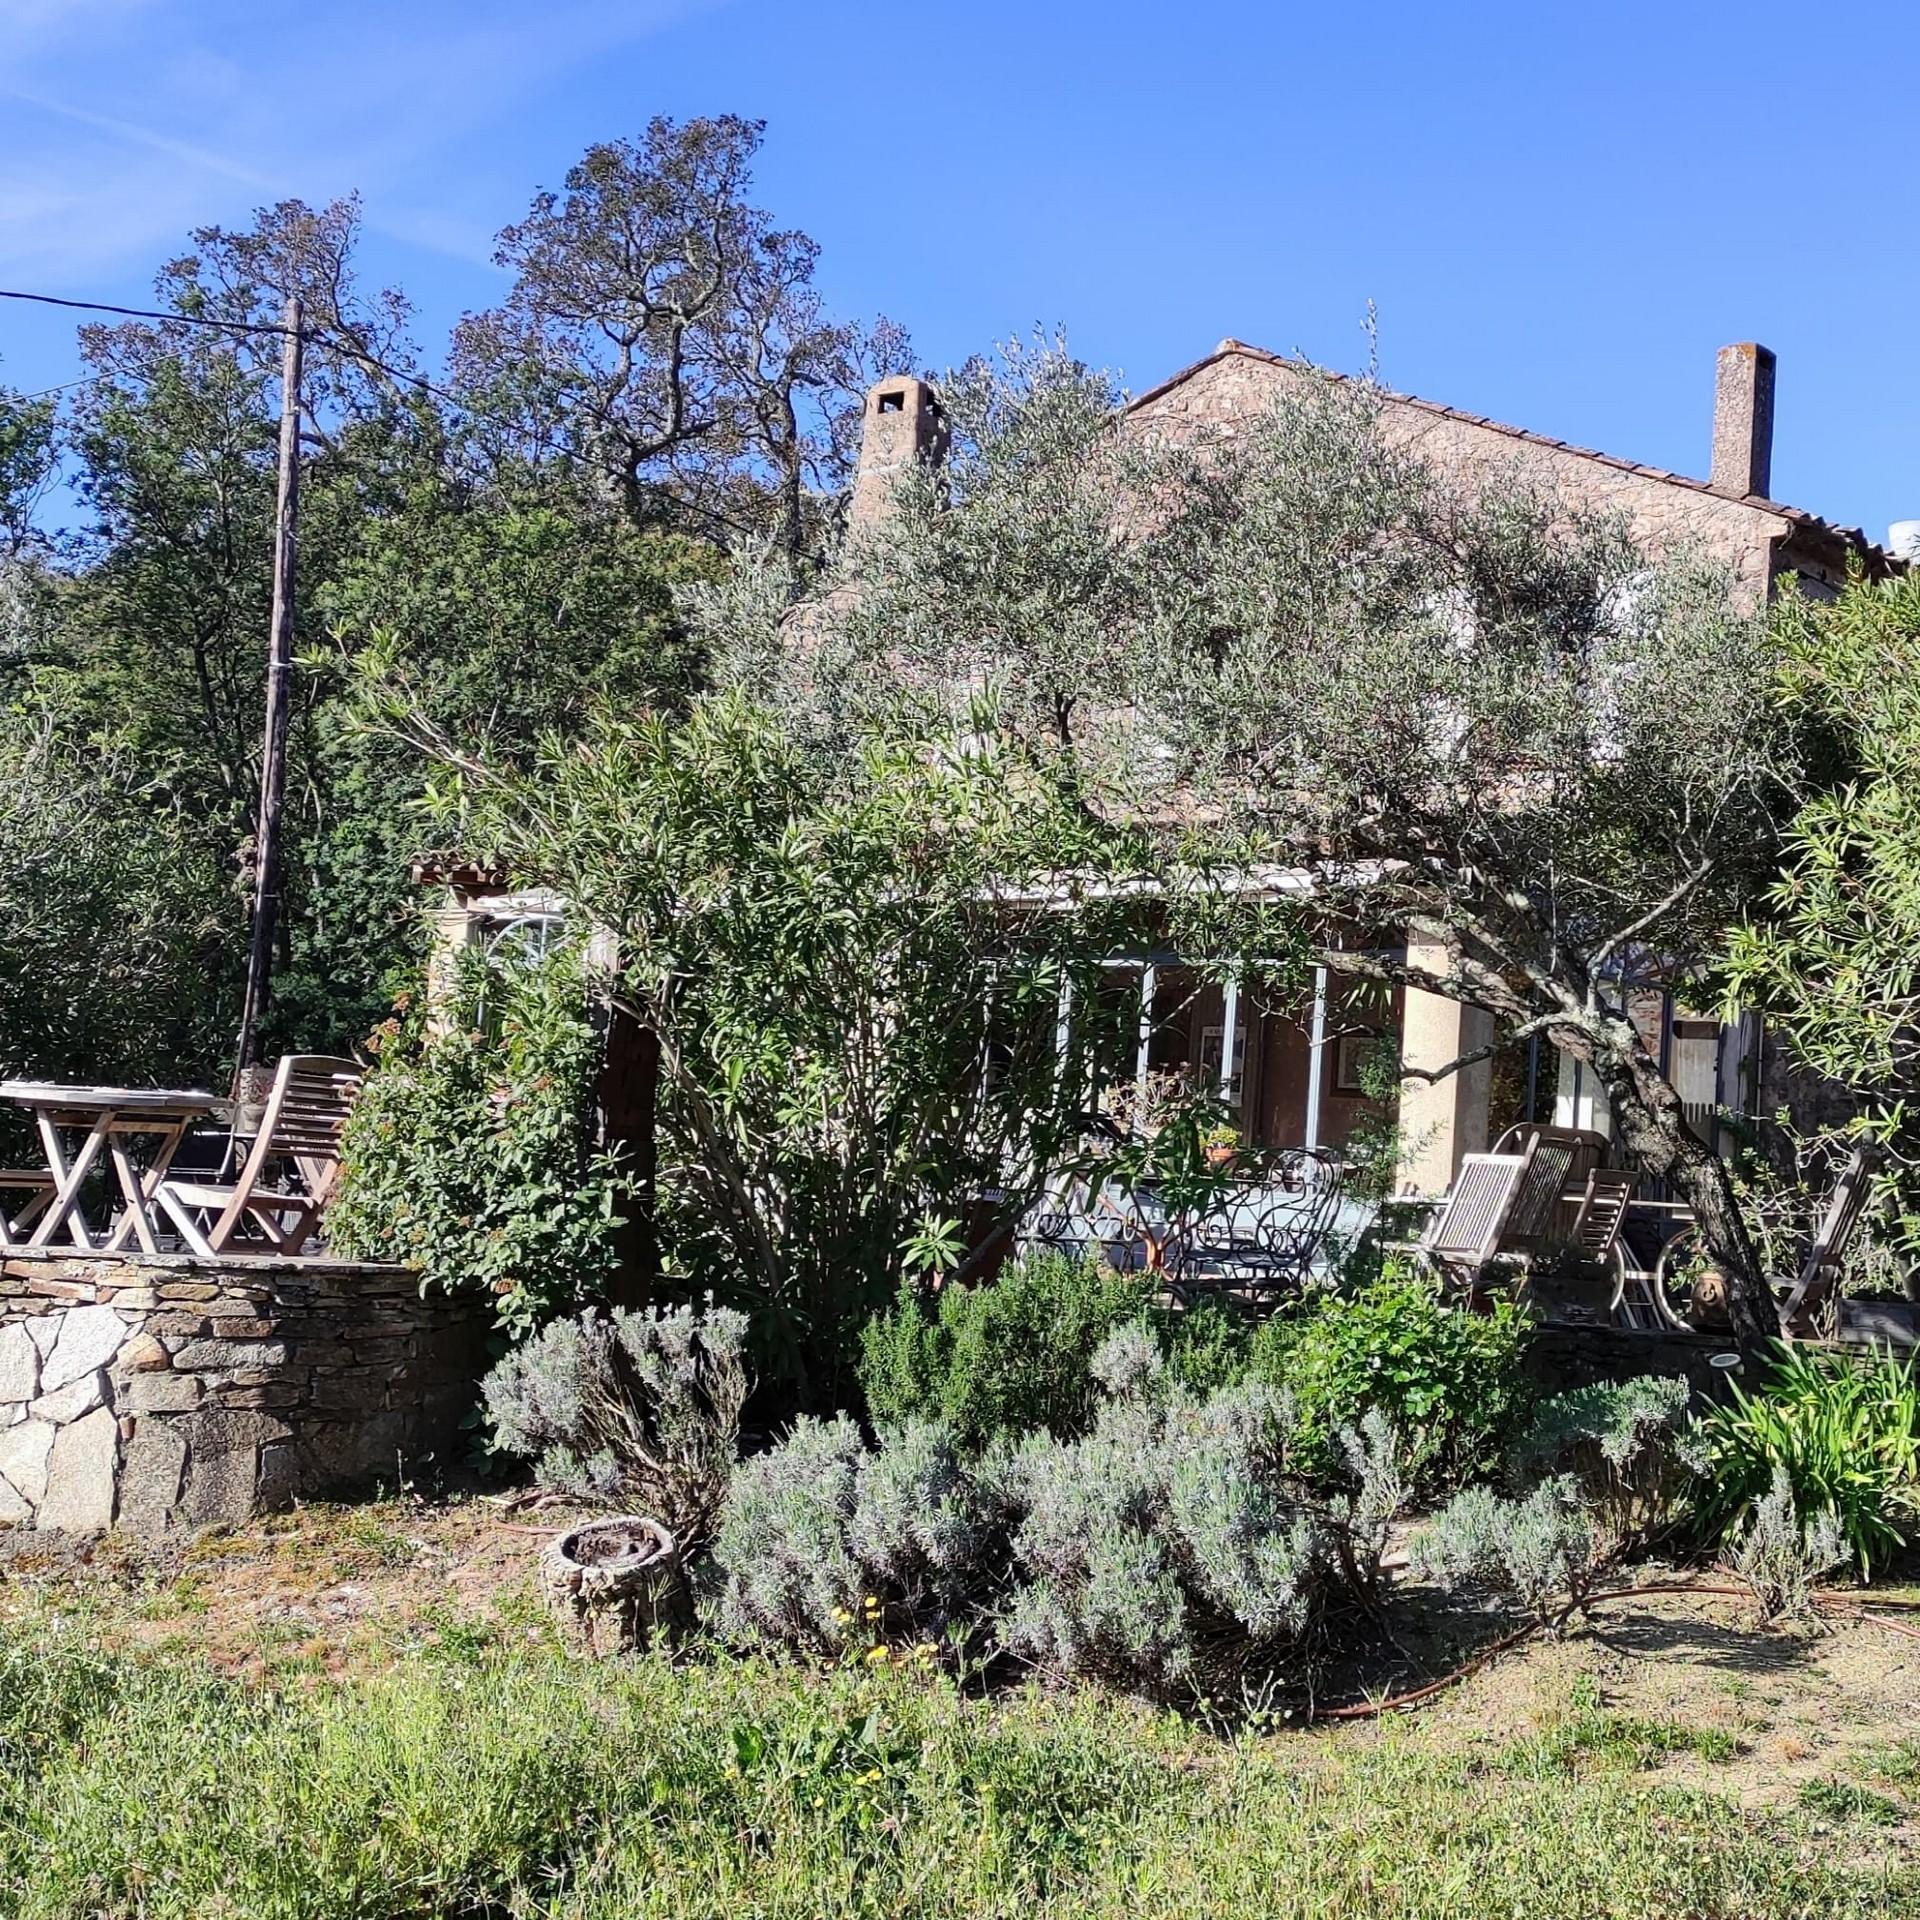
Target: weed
x=1841 y=1800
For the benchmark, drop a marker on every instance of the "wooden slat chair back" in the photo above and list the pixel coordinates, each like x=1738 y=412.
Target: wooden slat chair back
x=1603 y=1209
x=1562 y=1158
x=1820 y=1272
x=306 y=1110
x=39 y=1185
x=1468 y=1230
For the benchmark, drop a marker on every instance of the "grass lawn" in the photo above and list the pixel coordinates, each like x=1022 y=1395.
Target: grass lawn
x=358 y=1712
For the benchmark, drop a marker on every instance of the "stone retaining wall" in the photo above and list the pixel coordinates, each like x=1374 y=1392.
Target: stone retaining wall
x=155 y=1394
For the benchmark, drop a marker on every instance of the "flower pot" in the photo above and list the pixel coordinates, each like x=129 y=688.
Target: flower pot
x=614 y=1585
x=1221 y=1155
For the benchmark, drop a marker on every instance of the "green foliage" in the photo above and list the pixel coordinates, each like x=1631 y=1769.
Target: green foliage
x=1176 y=1546
x=1537 y=1547
x=1003 y=1359
x=829 y=1545
x=116 y=927
x=1781 y=1556
x=471 y=1151
x=1452 y=1383
x=1608 y=1465
x=514 y=1780
x=1832 y=951
x=856 y=1025
x=1844 y=1430
x=1209 y=1344
x=636 y=1409
x=1628 y=1446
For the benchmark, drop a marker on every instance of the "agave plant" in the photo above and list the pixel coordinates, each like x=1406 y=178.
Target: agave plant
x=1844 y=1430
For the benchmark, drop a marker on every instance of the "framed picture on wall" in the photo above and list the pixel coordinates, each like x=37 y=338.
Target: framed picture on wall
x=1349 y=1063
x=1209 y=1060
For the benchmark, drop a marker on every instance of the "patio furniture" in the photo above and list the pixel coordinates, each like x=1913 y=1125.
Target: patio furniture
x=110 y=1119
x=1598 y=1239
x=40 y=1184
x=1466 y=1235
x=1563 y=1157
x=305 y=1111
x=1820 y=1272
x=1262 y=1236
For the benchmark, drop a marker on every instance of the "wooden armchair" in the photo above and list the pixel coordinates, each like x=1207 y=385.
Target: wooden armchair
x=40 y=1185
x=1469 y=1230
x=305 y=1111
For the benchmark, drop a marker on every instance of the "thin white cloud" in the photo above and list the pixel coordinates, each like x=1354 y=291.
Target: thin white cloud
x=125 y=130
x=320 y=101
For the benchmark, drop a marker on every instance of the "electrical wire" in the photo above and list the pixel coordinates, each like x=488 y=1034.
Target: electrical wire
x=150 y=313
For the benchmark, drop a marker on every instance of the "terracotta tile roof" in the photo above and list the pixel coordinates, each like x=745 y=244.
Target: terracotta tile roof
x=1798 y=517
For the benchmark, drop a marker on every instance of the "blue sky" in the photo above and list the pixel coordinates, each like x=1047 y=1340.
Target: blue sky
x=1559 y=211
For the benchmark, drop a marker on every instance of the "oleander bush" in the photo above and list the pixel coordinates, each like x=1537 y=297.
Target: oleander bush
x=1452 y=1384
x=637 y=1409
x=1002 y=1359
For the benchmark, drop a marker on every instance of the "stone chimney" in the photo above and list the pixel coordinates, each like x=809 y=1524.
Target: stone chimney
x=904 y=422
x=1743 y=421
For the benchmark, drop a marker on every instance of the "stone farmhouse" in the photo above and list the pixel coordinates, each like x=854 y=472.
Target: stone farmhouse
x=1295 y=1073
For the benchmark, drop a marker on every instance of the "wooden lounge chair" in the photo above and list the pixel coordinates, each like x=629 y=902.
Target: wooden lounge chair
x=1543 y=1215
x=1598 y=1241
x=1467 y=1233
x=41 y=1185
x=1820 y=1272
x=305 y=1111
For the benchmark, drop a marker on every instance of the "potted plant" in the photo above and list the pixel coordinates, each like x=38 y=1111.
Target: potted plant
x=1220 y=1142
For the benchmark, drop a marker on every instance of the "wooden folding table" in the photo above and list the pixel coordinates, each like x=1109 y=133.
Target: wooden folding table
x=109 y=1120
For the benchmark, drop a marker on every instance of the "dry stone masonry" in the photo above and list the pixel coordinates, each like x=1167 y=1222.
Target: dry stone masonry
x=156 y=1395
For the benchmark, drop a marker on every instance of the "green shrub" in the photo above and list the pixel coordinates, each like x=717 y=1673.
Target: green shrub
x=471 y=1151
x=1630 y=1450
x=1607 y=1463
x=1209 y=1344
x=827 y=1543
x=1846 y=1433
x=1000 y=1360
x=1451 y=1383
x=1174 y=1547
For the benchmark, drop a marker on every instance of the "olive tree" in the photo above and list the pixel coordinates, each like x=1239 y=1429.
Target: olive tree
x=1474 y=712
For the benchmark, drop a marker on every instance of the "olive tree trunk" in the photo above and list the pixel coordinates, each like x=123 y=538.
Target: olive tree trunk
x=1653 y=1126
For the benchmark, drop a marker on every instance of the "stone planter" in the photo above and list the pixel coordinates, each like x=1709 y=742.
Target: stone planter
x=614 y=1584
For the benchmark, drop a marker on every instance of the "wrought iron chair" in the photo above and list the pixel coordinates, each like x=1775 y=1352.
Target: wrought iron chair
x=1262 y=1240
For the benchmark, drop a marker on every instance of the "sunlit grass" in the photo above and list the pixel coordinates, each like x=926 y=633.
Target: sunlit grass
x=480 y=1777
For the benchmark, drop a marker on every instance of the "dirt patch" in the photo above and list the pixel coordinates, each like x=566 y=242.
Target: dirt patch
x=333 y=1588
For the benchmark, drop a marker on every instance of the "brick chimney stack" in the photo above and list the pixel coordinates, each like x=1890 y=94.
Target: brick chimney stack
x=904 y=422
x=1743 y=422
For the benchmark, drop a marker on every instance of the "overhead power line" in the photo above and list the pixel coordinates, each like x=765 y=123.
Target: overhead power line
x=144 y=313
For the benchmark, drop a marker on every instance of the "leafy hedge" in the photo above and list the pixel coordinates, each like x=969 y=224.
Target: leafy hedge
x=1000 y=1360
x=1452 y=1383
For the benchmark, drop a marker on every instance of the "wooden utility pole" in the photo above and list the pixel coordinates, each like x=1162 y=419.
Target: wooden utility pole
x=273 y=751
